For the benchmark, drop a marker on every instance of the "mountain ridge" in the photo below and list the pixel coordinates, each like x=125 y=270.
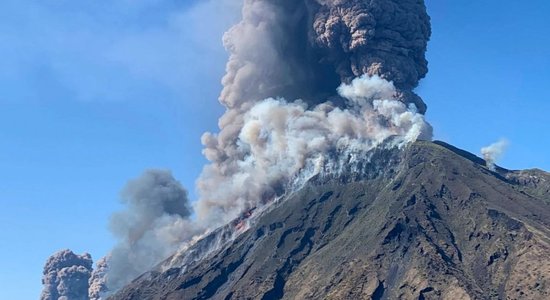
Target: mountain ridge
x=429 y=222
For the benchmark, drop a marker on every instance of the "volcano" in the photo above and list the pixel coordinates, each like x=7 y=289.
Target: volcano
x=428 y=221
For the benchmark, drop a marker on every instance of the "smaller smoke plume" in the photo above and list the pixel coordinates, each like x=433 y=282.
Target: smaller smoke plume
x=493 y=153
x=151 y=228
x=98 y=285
x=66 y=276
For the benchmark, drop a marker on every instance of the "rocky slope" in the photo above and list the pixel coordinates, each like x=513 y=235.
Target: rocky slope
x=429 y=222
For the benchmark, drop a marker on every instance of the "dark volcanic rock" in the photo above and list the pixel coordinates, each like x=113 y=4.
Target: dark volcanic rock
x=430 y=223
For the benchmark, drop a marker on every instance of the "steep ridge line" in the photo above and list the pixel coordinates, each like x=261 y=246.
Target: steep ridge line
x=431 y=225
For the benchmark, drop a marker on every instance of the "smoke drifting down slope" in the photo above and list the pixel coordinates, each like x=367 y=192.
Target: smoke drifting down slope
x=311 y=86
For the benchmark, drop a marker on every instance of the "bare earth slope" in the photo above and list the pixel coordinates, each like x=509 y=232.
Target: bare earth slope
x=430 y=222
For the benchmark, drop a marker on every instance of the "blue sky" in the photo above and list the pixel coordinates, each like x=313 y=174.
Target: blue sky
x=94 y=92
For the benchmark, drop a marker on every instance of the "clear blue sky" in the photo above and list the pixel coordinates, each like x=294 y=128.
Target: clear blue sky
x=94 y=92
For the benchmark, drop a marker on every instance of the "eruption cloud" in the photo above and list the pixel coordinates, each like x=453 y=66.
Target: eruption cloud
x=66 y=276
x=493 y=153
x=311 y=86
x=296 y=54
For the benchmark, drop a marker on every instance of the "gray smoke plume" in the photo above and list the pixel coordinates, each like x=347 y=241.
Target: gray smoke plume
x=297 y=53
x=304 y=49
x=151 y=228
x=66 y=276
x=493 y=153
x=97 y=284
x=375 y=37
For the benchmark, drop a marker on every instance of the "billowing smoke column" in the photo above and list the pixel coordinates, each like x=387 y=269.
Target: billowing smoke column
x=375 y=37
x=306 y=48
x=302 y=51
x=151 y=228
x=66 y=276
x=493 y=153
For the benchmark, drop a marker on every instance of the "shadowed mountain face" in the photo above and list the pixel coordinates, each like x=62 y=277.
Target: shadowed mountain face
x=428 y=222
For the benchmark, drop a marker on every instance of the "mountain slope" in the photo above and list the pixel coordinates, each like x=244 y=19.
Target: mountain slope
x=429 y=222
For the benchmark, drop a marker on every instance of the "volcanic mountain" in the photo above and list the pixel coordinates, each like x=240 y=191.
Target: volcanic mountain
x=428 y=221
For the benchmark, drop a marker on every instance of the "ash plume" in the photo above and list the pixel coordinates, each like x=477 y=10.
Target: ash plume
x=66 y=276
x=296 y=54
x=492 y=153
x=153 y=225
x=306 y=48
x=380 y=37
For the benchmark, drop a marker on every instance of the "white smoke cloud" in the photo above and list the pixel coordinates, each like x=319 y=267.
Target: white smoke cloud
x=280 y=141
x=494 y=152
